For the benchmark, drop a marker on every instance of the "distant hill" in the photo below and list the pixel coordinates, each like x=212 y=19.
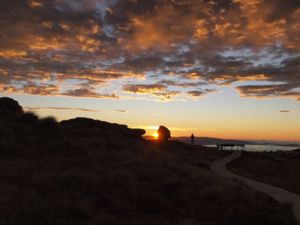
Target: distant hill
x=210 y=141
x=214 y=141
x=276 y=143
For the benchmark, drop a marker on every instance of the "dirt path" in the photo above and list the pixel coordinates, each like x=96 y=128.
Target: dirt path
x=281 y=195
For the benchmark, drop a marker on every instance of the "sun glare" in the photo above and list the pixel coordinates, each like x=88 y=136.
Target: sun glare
x=155 y=135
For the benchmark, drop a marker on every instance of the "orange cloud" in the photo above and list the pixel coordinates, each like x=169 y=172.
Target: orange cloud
x=143 y=88
x=11 y=53
x=82 y=45
x=33 y=89
x=158 y=29
x=35 y=4
x=61 y=108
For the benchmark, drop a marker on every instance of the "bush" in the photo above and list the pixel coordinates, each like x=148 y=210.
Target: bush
x=9 y=107
x=48 y=123
x=29 y=118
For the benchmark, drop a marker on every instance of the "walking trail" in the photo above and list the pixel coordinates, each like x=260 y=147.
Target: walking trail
x=279 y=194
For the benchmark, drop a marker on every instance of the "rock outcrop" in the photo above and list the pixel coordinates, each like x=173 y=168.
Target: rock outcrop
x=163 y=133
x=112 y=128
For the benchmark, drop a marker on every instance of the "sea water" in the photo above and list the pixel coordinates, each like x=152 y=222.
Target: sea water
x=263 y=148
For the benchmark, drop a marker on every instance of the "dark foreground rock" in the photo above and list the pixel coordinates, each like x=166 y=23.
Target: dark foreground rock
x=117 y=129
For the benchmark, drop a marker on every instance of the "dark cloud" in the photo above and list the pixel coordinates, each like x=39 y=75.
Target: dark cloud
x=177 y=46
x=200 y=93
x=61 y=108
x=284 y=111
x=281 y=9
x=87 y=93
x=262 y=91
x=121 y=110
x=181 y=84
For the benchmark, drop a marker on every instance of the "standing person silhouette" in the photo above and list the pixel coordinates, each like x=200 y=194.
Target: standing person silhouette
x=192 y=139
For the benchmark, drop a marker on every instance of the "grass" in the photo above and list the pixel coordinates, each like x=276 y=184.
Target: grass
x=280 y=168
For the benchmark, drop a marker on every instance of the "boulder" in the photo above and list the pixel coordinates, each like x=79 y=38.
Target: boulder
x=134 y=132
x=85 y=122
x=163 y=133
x=110 y=128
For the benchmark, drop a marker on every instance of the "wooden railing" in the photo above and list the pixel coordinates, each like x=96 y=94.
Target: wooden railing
x=231 y=146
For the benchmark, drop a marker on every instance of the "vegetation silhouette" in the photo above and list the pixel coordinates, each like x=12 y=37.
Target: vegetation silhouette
x=9 y=107
x=86 y=172
x=29 y=118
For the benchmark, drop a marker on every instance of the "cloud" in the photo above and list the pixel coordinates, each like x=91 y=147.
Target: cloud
x=199 y=93
x=82 y=92
x=33 y=89
x=144 y=88
x=110 y=44
x=166 y=95
x=71 y=109
x=181 y=84
x=160 y=89
x=61 y=108
x=284 y=111
x=262 y=91
x=121 y=110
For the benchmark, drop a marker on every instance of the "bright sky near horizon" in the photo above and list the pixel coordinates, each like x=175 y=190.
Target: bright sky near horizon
x=227 y=68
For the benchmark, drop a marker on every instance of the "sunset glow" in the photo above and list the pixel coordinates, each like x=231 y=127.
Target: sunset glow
x=155 y=135
x=226 y=69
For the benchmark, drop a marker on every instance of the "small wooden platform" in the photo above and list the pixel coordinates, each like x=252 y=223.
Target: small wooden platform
x=231 y=146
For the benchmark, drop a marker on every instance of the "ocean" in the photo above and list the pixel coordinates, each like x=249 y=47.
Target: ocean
x=262 y=148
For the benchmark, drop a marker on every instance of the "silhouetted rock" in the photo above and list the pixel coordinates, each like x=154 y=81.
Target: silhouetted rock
x=85 y=122
x=163 y=133
x=9 y=107
x=111 y=128
x=134 y=132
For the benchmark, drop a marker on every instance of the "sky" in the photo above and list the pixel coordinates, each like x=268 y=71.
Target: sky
x=226 y=68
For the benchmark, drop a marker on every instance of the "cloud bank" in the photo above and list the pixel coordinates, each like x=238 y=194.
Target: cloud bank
x=159 y=48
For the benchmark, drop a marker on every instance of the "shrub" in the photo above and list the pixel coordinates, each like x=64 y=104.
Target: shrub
x=48 y=123
x=29 y=118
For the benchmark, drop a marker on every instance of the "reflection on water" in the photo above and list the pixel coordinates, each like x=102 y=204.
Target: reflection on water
x=261 y=148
